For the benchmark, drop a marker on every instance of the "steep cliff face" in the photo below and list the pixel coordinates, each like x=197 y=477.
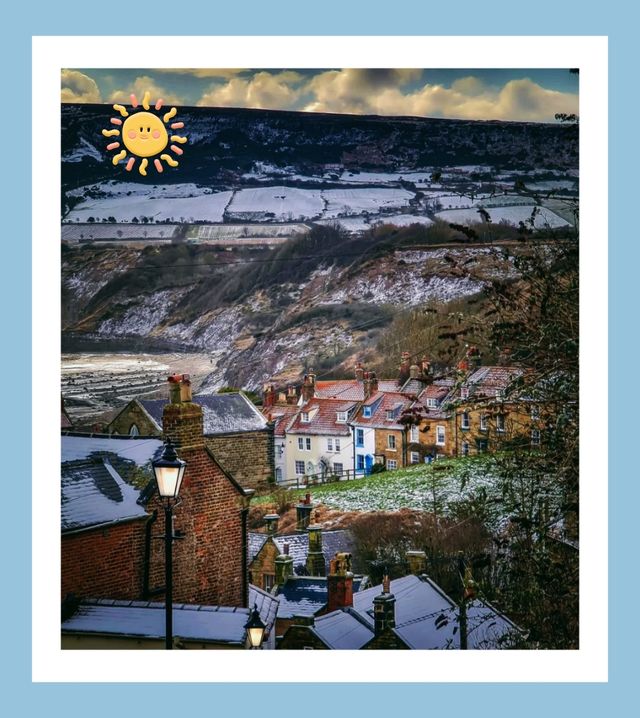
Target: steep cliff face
x=272 y=330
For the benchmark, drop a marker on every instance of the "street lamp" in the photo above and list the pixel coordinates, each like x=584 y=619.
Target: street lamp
x=168 y=471
x=255 y=628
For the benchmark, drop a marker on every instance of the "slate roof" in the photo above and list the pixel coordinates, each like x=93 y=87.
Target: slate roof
x=143 y=619
x=255 y=541
x=349 y=389
x=266 y=604
x=487 y=381
x=343 y=630
x=306 y=595
x=323 y=418
x=94 y=494
x=140 y=450
x=222 y=413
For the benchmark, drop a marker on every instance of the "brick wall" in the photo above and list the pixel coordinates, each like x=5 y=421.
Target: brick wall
x=382 y=446
x=132 y=414
x=104 y=562
x=247 y=456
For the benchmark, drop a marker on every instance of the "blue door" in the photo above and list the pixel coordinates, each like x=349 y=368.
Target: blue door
x=368 y=463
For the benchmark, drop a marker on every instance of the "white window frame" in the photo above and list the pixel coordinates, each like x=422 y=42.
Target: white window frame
x=484 y=422
x=465 y=420
x=366 y=412
x=535 y=437
x=501 y=423
x=304 y=417
x=329 y=443
x=337 y=445
x=432 y=403
x=392 y=464
x=392 y=443
x=341 y=417
x=441 y=435
x=308 y=443
x=336 y=470
x=464 y=392
x=301 y=443
x=299 y=465
x=414 y=457
x=414 y=434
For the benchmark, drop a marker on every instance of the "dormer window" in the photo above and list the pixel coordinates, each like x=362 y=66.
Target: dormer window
x=391 y=414
x=341 y=417
x=464 y=392
x=366 y=412
x=304 y=417
x=432 y=403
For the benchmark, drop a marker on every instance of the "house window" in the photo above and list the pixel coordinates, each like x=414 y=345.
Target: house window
x=414 y=435
x=500 y=422
x=415 y=457
x=329 y=444
x=299 y=468
x=359 y=437
x=134 y=431
x=440 y=435
x=366 y=412
x=391 y=414
x=308 y=443
x=280 y=449
x=337 y=444
x=465 y=422
x=359 y=462
x=305 y=417
x=278 y=475
x=392 y=464
x=268 y=581
x=341 y=417
x=499 y=393
x=432 y=403
x=484 y=422
x=301 y=443
x=338 y=469
x=465 y=448
x=464 y=392
x=535 y=413
x=482 y=446
x=535 y=437
x=391 y=442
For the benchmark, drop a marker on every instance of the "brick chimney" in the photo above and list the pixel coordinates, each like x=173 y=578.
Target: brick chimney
x=373 y=382
x=268 y=396
x=315 y=557
x=340 y=582
x=308 y=386
x=284 y=566
x=417 y=561
x=292 y=396
x=384 y=613
x=181 y=418
x=271 y=523
x=359 y=371
x=414 y=371
x=405 y=361
x=366 y=386
x=303 y=513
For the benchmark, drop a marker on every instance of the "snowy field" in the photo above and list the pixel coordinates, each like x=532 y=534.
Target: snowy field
x=357 y=201
x=205 y=207
x=124 y=189
x=403 y=220
x=204 y=232
x=85 y=232
x=284 y=202
x=513 y=215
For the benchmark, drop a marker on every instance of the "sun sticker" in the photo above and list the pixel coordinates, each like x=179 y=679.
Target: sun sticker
x=145 y=136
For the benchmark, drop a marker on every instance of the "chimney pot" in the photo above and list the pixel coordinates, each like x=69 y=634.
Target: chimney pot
x=359 y=371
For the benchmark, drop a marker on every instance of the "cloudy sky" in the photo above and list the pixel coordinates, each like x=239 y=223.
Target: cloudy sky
x=500 y=94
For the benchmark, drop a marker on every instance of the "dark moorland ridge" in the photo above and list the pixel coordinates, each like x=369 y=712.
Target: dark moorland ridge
x=225 y=141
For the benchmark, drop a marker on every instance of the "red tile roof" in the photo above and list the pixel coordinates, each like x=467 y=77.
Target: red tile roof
x=322 y=419
x=383 y=402
x=280 y=415
x=349 y=388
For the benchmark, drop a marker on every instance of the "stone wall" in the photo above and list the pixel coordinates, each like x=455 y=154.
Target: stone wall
x=248 y=456
x=133 y=413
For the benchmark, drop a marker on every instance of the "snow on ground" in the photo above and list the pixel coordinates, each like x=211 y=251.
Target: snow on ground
x=113 y=188
x=350 y=224
x=285 y=202
x=213 y=330
x=356 y=201
x=235 y=231
x=142 y=317
x=552 y=185
x=86 y=232
x=208 y=208
x=458 y=201
x=403 y=220
x=513 y=215
x=86 y=149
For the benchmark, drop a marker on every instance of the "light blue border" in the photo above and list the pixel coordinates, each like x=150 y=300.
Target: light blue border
x=300 y=18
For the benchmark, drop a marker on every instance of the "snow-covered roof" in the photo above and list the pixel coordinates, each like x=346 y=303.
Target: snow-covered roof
x=143 y=619
x=140 y=450
x=221 y=413
x=306 y=595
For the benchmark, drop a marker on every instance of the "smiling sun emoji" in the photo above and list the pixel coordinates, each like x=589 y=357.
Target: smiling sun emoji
x=144 y=136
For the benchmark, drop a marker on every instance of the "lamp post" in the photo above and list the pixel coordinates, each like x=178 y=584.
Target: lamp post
x=255 y=629
x=168 y=471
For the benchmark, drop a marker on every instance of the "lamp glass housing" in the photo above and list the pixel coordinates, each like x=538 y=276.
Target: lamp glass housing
x=169 y=471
